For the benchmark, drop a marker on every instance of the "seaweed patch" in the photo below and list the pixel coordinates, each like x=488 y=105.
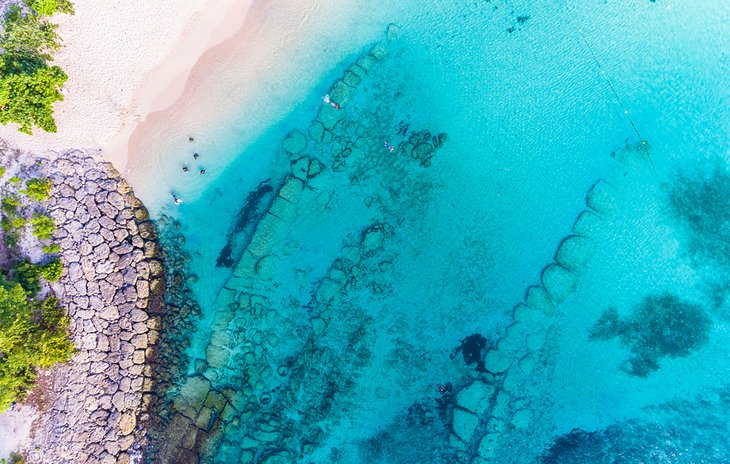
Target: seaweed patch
x=660 y=327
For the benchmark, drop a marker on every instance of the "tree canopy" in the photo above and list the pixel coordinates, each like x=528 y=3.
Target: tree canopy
x=29 y=85
x=33 y=334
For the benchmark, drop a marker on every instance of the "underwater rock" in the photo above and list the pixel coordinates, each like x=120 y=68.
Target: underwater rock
x=295 y=142
x=266 y=267
x=559 y=282
x=291 y=189
x=496 y=362
x=588 y=224
x=634 y=155
x=265 y=237
x=476 y=397
x=316 y=131
x=392 y=32
x=351 y=79
x=574 y=252
x=538 y=298
x=315 y=168
x=366 y=62
x=378 y=51
x=342 y=94
x=464 y=424
x=660 y=327
x=329 y=117
x=521 y=419
x=601 y=197
x=373 y=239
x=533 y=318
x=300 y=167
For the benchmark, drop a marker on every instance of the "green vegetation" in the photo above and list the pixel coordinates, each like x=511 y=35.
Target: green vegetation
x=29 y=86
x=33 y=335
x=34 y=332
x=50 y=249
x=49 y=7
x=28 y=274
x=37 y=189
x=15 y=180
x=14 y=458
x=43 y=226
x=3 y=169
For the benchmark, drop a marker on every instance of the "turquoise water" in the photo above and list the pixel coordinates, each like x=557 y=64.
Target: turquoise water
x=334 y=313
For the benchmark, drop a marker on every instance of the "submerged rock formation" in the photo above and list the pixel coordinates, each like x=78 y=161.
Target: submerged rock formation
x=112 y=286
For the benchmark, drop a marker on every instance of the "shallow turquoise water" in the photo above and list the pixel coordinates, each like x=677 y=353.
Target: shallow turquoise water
x=540 y=100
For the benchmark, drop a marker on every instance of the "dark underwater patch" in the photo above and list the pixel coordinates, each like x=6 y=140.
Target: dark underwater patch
x=701 y=203
x=256 y=205
x=473 y=349
x=660 y=327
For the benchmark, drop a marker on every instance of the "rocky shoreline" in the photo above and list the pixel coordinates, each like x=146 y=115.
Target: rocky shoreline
x=112 y=286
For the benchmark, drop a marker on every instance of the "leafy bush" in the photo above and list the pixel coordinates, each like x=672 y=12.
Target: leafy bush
x=37 y=189
x=33 y=335
x=10 y=205
x=17 y=222
x=50 y=249
x=49 y=7
x=26 y=274
x=3 y=169
x=14 y=180
x=43 y=226
x=14 y=458
x=52 y=270
x=29 y=35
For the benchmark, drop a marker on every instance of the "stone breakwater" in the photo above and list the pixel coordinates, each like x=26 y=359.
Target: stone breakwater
x=112 y=287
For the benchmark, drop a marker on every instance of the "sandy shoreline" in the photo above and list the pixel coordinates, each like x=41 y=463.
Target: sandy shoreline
x=125 y=60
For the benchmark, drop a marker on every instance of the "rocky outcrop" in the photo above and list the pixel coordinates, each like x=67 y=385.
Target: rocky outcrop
x=112 y=286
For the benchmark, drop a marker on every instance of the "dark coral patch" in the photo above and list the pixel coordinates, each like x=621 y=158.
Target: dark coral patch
x=661 y=327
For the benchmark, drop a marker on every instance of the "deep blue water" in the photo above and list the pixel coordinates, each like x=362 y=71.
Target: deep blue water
x=345 y=317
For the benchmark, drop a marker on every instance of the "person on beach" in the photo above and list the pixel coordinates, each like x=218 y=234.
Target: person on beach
x=327 y=100
x=389 y=147
x=190 y=139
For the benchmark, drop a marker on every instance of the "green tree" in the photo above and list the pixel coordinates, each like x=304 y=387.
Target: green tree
x=43 y=226
x=37 y=189
x=28 y=91
x=29 y=36
x=33 y=335
x=29 y=86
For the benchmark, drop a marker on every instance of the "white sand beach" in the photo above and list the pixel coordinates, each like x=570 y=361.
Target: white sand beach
x=119 y=57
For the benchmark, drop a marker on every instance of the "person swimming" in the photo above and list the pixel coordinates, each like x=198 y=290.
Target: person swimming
x=329 y=101
x=175 y=199
x=389 y=147
x=185 y=169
